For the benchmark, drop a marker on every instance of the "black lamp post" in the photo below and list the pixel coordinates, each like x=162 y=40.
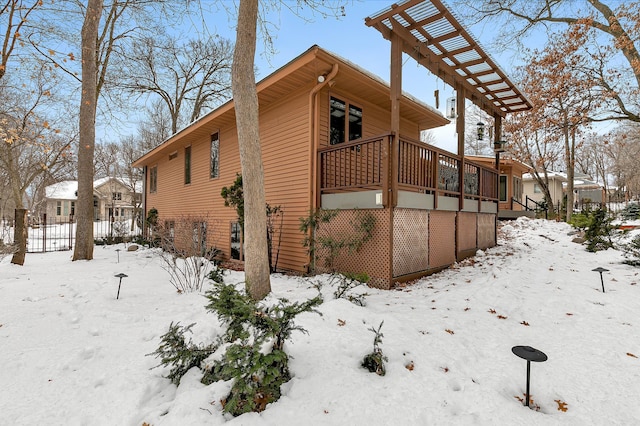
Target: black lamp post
x=600 y=269
x=530 y=354
x=121 y=276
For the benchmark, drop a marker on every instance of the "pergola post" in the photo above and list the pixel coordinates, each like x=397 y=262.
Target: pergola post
x=460 y=120
x=396 y=93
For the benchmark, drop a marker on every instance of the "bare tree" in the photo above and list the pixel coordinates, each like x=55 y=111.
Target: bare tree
x=613 y=21
x=623 y=148
x=246 y=105
x=188 y=77
x=88 y=104
x=31 y=150
x=14 y=16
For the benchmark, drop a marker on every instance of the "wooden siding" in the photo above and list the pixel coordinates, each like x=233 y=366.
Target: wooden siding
x=285 y=152
x=286 y=147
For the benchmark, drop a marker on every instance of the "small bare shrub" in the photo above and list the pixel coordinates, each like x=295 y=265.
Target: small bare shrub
x=185 y=254
x=6 y=248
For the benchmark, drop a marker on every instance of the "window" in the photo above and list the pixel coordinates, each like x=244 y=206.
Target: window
x=73 y=208
x=214 y=164
x=517 y=188
x=153 y=179
x=200 y=237
x=116 y=196
x=170 y=230
x=503 y=188
x=187 y=165
x=58 y=208
x=345 y=120
x=537 y=189
x=236 y=241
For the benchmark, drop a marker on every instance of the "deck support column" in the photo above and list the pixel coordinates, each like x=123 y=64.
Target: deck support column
x=460 y=119
x=395 y=94
x=497 y=131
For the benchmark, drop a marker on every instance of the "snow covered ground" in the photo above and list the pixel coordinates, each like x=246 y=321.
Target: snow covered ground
x=71 y=354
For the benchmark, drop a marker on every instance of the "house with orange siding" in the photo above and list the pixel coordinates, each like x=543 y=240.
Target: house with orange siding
x=335 y=137
x=510 y=185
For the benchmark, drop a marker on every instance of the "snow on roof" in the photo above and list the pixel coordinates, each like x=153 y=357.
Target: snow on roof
x=65 y=190
x=562 y=177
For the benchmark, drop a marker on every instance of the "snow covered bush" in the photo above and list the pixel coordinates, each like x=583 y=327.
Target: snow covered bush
x=178 y=353
x=632 y=251
x=254 y=356
x=599 y=229
x=347 y=283
x=374 y=362
x=250 y=352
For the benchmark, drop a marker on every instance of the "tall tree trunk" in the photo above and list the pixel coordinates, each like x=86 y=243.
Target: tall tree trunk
x=20 y=237
x=245 y=96
x=88 y=104
x=570 y=161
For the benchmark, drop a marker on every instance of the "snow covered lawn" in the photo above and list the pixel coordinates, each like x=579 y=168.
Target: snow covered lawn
x=71 y=354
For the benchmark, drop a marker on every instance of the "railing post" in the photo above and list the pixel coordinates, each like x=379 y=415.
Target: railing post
x=395 y=154
x=386 y=171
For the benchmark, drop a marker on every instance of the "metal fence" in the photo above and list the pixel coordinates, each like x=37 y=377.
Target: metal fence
x=47 y=234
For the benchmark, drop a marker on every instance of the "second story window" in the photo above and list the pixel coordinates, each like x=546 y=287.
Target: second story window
x=345 y=121
x=187 y=165
x=116 y=196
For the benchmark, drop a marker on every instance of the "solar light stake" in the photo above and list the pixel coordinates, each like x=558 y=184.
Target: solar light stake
x=118 y=251
x=121 y=276
x=601 y=270
x=530 y=354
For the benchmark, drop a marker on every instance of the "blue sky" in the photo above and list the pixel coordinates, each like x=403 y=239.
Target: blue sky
x=350 y=38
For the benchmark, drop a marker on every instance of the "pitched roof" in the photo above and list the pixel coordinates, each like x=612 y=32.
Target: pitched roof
x=65 y=190
x=68 y=189
x=302 y=71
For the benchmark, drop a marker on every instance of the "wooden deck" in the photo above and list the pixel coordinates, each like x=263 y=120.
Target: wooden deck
x=418 y=167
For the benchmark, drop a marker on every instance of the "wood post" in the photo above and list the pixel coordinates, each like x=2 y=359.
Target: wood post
x=20 y=236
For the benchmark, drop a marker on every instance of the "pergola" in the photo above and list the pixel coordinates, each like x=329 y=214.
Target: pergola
x=428 y=32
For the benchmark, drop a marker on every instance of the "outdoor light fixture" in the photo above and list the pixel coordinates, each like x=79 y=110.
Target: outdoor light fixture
x=321 y=79
x=118 y=251
x=451 y=108
x=499 y=146
x=600 y=269
x=121 y=276
x=530 y=354
x=480 y=130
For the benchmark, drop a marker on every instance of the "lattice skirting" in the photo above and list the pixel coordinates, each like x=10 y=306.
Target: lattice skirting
x=423 y=240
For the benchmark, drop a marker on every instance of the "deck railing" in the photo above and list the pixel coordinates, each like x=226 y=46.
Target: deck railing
x=367 y=165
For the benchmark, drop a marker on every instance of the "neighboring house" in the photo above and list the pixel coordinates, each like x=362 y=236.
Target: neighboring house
x=334 y=136
x=533 y=191
x=587 y=192
x=112 y=198
x=510 y=187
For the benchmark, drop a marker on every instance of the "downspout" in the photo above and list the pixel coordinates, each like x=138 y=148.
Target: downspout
x=144 y=202
x=313 y=138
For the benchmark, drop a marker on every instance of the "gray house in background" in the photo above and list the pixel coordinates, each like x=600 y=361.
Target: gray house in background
x=531 y=188
x=112 y=198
